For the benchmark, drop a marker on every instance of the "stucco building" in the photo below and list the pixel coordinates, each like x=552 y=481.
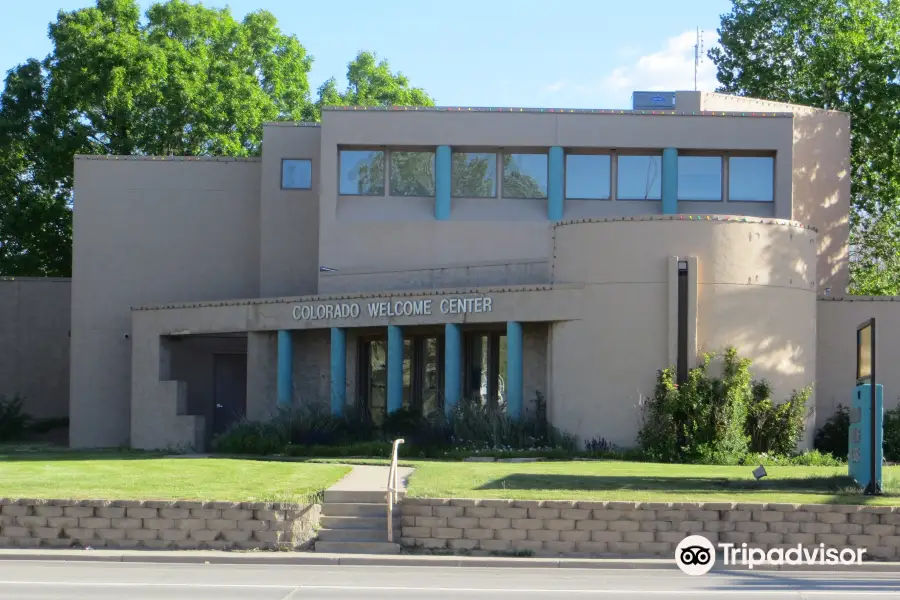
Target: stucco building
x=412 y=257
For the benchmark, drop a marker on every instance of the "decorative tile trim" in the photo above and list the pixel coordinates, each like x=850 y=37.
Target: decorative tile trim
x=576 y=111
x=291 y=124
x=726 y=218
x=859 y=298
x=356 y=296
x=223 y=159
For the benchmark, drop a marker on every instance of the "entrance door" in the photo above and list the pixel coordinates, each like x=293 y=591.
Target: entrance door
x=230 y=372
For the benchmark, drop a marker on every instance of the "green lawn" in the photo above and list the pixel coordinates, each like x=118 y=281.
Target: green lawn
x=137 y=476
x=613 y=480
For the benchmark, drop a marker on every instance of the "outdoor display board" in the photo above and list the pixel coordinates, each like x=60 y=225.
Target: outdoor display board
x=865 y=451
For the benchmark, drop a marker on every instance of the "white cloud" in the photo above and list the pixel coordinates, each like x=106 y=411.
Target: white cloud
x=670 y=68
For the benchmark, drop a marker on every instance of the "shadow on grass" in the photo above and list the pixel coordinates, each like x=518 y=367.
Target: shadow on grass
x=839 y=487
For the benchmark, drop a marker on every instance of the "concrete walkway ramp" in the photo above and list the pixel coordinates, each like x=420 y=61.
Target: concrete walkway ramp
x=354 y=515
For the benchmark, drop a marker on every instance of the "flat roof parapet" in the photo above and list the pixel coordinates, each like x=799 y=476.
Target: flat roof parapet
x=557 y=111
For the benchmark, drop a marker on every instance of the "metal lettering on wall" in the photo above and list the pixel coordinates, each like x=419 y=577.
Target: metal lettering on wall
x=396 y=308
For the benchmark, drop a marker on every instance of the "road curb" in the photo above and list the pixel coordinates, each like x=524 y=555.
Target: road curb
x=313 y=559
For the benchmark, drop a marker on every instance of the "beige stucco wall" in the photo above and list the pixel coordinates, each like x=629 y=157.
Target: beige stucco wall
x=820 y=179
x=289 y=219
x=398 y=242
x=837 y=323
x=35 y=317
x=148 y=230
x=754 y=291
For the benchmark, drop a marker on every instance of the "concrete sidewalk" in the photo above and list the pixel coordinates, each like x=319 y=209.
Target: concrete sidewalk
x=370 y=478
x=404 y=560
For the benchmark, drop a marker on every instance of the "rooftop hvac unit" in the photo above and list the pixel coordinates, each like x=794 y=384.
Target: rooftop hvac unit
x=653 y=101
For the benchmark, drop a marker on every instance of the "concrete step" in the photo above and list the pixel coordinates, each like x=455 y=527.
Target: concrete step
x=354 y=535
x=358 y=547
x=353 y=496
x=379 y=523
x=354 y=509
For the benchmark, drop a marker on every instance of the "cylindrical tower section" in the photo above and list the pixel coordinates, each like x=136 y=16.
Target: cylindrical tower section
x=754 y=289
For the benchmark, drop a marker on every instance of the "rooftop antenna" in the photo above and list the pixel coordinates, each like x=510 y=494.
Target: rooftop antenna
x=698 y=55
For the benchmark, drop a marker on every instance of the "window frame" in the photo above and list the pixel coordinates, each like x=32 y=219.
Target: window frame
x=389 y=167
x=618 y=154
x=726 y=183
x=723 y=182
x=281 y=173
x=498 y=169
x=494 y=373
x=385 y=171
x=613 y=173
x=501 y=152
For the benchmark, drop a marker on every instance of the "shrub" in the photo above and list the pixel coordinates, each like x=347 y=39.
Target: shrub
x=252 y=437
x=776 y=428
x=718 y=420
x=14 y=422
x=809 y=458
x=892 y=435
x=834 y=435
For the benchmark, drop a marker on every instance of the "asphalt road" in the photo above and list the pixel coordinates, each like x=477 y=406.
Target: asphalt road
x=34 y=580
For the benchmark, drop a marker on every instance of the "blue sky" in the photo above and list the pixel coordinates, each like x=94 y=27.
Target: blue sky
x=567 y=53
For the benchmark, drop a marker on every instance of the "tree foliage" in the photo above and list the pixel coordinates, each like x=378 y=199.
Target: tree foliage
x=183 y=79
x=841 y=55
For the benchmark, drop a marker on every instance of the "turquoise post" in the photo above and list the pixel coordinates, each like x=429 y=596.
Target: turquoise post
x=670 y=181
x=452 y=365
x=442 y=174
x=556 y=184
x=514 y=369
x=285 y=387
x=338 y=370
x=395 y=369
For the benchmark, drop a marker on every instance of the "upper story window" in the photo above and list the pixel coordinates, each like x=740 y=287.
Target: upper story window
x=296 y=174
x=412 y=174
x=525 y=175
x=751 y=178
x=474 y=174
x=699 y=177
x=639 y=177
x=588 y=176
x=361 y=173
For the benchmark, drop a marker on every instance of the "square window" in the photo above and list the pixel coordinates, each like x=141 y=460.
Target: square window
x=587 y=176
x=296 y=174
x=361 y=173
x=751 y=178
x=474 y=175
x=412 y=174
x=700 y=178
x=639 y=177
x=525 y=175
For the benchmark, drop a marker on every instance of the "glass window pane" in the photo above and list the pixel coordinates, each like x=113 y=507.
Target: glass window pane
x=412 y=173
x=431 y=378
x=699 y=178
x=474 y=174
x=362 y=173
x=296 y=174
x=639 y=178
x=377 y=380
x=751 y=178
x=501 y=371
x=524 y=175
x=407 y=373
x=587 y=176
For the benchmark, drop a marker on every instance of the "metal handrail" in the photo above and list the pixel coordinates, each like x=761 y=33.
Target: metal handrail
x=391 y=490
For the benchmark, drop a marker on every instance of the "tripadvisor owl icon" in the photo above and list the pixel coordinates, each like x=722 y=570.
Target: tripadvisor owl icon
x=695 y=555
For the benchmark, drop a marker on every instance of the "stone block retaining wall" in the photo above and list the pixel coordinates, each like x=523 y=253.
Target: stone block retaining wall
x=641 y=528
x=26 y=523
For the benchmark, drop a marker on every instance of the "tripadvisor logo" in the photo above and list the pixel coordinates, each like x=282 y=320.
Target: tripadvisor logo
x=696 y=555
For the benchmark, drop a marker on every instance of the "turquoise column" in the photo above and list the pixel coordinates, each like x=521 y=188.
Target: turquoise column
x=452 y=366
x=395 y=369
x=670 y=181
x=285 y=387
x=514 y=369
x=556 y=188
x=442 y=174
x=338 y=370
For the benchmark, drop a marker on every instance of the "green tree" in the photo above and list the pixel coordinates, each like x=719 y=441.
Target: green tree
x=841 y=55
x=183 y=80
x=372 y=83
